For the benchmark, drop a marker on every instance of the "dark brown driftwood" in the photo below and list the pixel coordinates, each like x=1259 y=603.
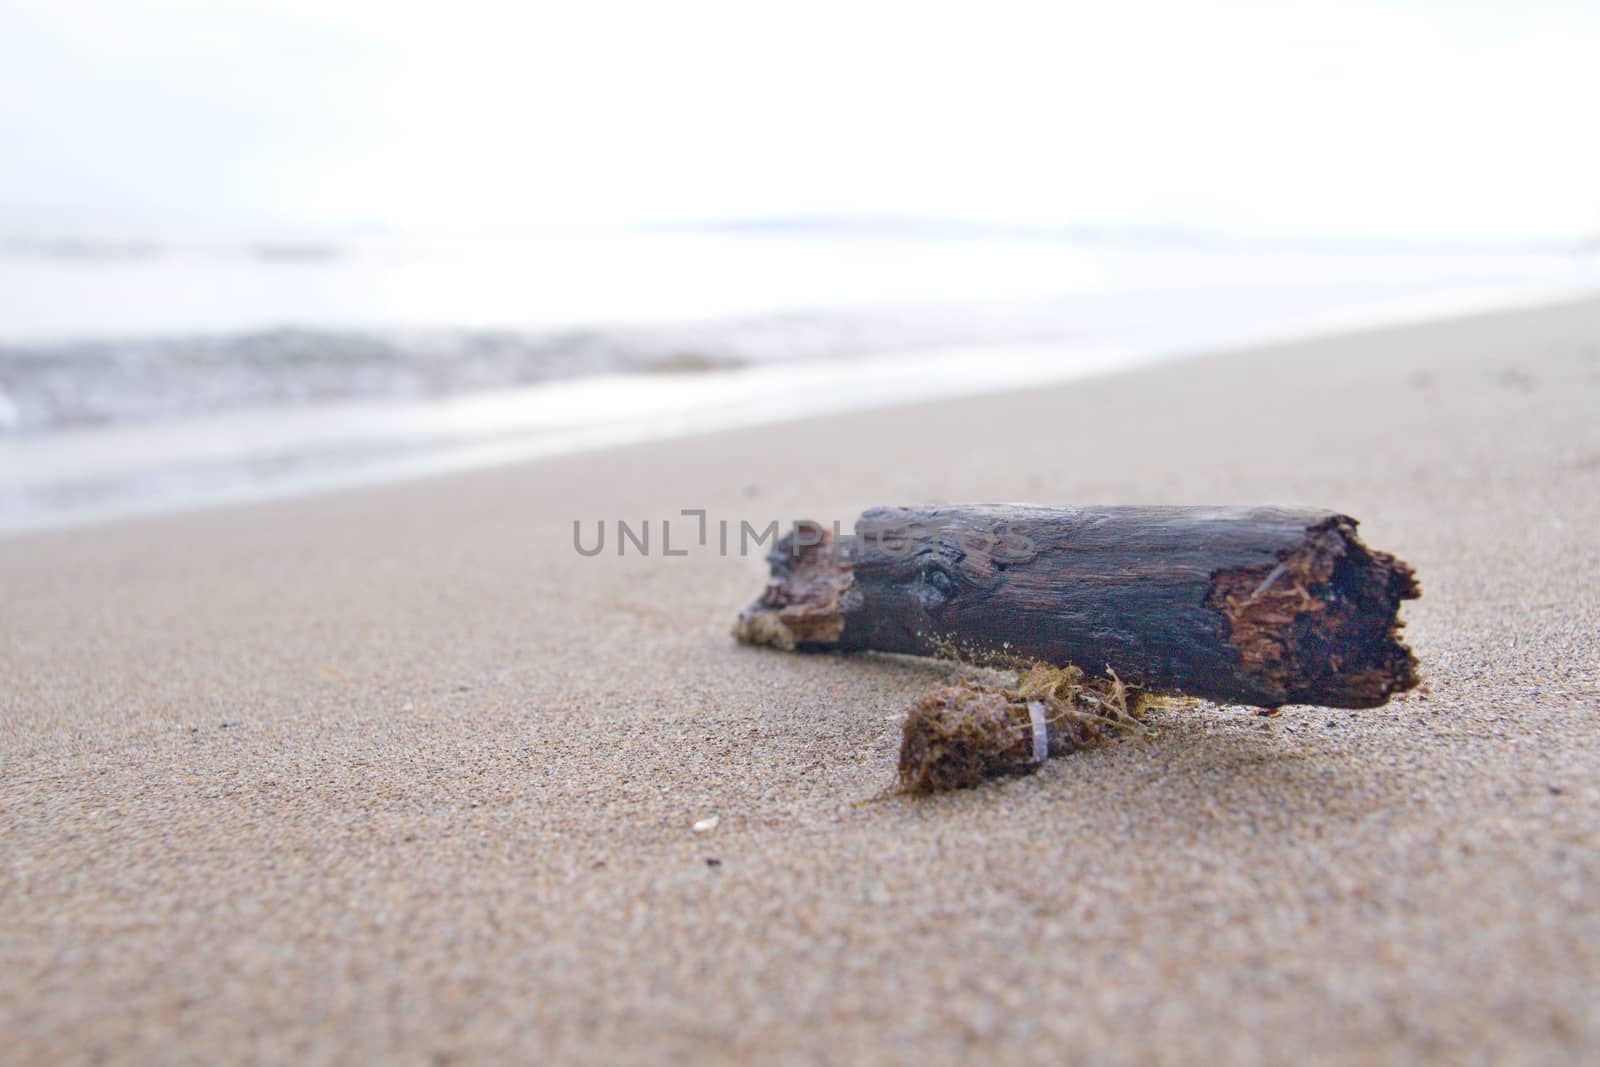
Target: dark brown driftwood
x=1261 y=606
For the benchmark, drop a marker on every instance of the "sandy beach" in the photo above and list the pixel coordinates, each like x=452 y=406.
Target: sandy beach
x=397 y=774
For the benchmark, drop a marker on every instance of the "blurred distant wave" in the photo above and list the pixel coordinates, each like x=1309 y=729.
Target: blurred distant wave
x=119 y=381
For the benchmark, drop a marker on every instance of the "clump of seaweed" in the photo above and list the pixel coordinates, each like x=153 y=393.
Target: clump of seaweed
x=960 y=734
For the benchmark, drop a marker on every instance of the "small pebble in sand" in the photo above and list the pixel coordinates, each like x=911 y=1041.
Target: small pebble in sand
x=706 y=825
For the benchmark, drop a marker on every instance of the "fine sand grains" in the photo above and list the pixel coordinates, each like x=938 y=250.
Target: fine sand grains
x=397 y=774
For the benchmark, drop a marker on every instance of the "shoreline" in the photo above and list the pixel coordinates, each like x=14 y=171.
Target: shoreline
x=91 y=477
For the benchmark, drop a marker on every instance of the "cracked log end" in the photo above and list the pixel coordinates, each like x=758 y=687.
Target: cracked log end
x=804 y=604
x=1321 y=625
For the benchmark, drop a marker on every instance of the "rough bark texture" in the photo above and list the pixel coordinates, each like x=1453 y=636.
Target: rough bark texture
x=1262 y=606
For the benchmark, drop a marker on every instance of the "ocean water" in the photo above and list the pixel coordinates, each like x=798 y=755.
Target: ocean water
x=142 y=373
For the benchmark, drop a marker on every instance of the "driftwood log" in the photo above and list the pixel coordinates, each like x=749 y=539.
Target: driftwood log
x=1261 y=606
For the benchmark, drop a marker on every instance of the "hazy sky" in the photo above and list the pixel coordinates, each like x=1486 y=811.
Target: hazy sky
x=1351 y=118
